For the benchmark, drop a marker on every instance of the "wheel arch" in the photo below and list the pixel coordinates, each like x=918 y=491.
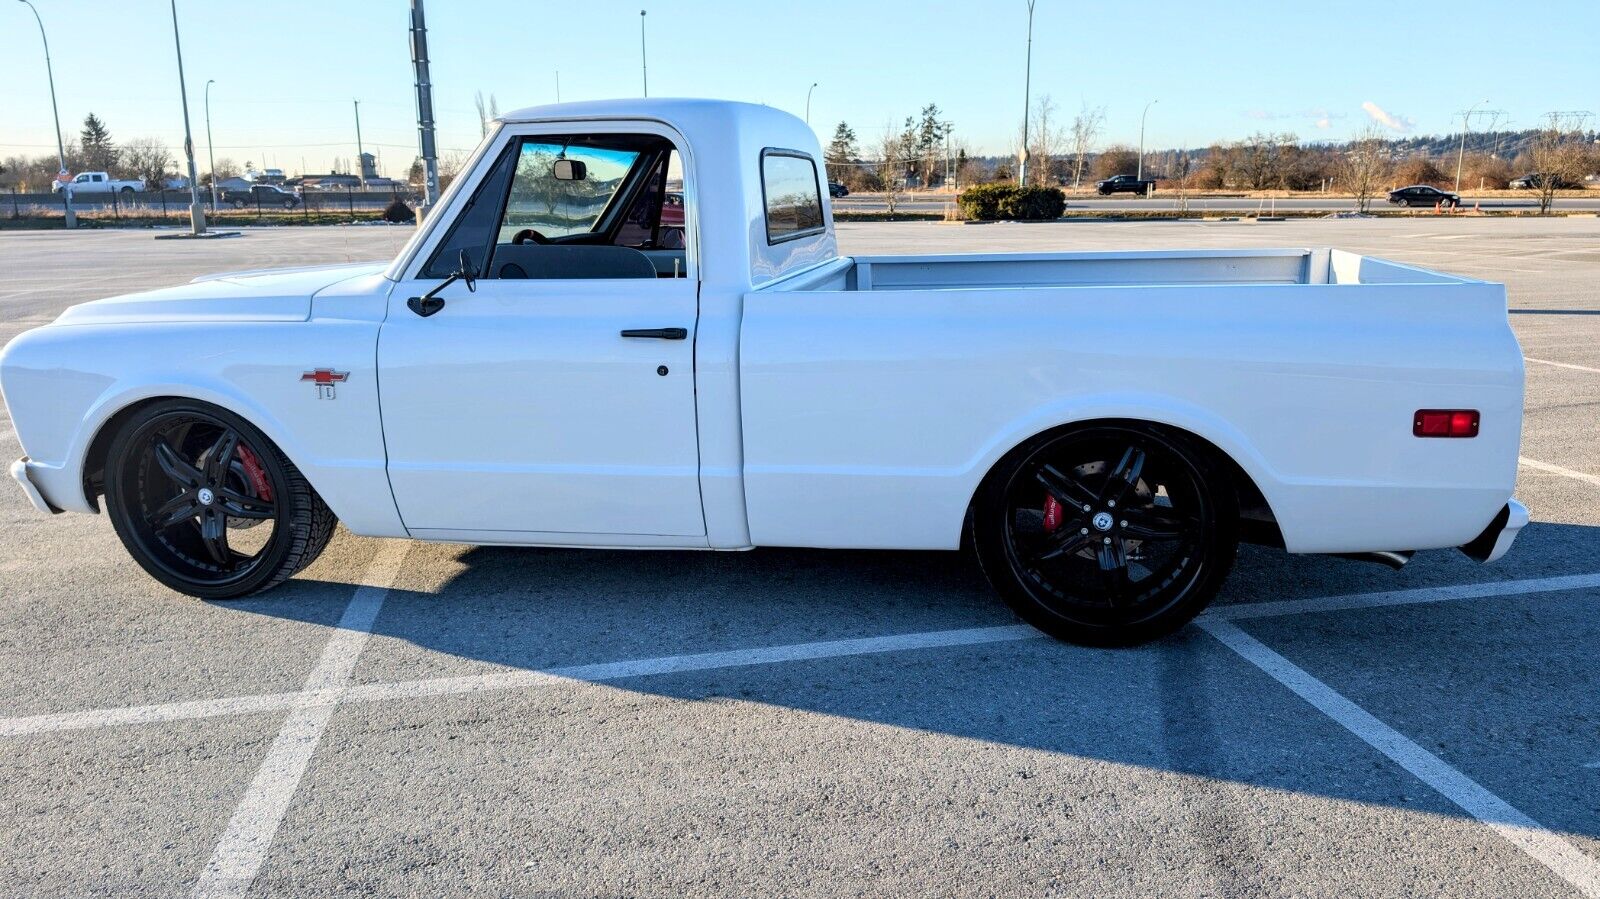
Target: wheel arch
x=1258 y=522
x=112 y=415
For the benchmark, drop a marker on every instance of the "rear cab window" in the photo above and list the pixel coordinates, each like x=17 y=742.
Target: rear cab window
x=793 y=195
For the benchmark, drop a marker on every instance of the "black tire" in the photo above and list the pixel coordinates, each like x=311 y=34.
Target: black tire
x=188 y=484
x=1105 y=576
x=1402 y=202
x=290 y=204
x=127 y=191
x=238 y=204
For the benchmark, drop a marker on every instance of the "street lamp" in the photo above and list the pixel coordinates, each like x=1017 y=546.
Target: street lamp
x=1461 y=152
x=808 y=101
x=70 y=218
x=1140 y=175
x=211 y=159
x=197 y=212
x=644 y=63
x=1027 y=91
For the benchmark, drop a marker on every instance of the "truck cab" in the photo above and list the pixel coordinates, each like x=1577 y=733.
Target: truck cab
x=603 y=302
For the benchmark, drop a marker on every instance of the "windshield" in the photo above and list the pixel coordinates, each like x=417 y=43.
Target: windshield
x=557 y=208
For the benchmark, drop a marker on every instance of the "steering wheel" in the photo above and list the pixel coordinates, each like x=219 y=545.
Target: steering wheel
x=527 y=234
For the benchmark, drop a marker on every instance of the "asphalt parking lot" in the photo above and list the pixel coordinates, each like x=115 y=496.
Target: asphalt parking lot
x=422 y=720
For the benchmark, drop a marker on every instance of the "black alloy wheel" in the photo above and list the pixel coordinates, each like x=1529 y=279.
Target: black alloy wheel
x=207 y=505
x=1108 y=535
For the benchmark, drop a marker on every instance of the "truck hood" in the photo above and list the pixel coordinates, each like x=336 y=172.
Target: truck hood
x=281 y=295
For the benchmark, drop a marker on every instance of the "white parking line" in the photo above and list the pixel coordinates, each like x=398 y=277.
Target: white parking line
x=522 y=679
x=1402 y=597
x=238 y=857
x=1563 y=365
x=1550 y=850
x=1547 y=468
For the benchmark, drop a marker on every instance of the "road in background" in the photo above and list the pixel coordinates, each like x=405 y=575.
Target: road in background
x=1166 y=201
x=795 y=722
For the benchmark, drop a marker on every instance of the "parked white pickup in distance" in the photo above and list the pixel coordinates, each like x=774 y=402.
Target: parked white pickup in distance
x=98 y=183
x=570 y=353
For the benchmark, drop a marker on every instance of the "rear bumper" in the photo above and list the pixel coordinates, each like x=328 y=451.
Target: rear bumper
x=19 y=473
x=1499 y=535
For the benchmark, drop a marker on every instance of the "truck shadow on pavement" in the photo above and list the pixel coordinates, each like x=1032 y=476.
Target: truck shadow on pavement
x=1500 y=688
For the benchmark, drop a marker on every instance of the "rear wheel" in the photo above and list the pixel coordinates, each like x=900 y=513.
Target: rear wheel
x=1108 y=535
x=1402 y=202
x=207 y=505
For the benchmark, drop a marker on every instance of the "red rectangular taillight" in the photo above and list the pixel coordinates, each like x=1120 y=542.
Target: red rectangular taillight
x=1445 y=423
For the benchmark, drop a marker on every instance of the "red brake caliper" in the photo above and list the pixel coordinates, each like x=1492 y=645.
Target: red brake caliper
x=254 y=471
x=1052 y=513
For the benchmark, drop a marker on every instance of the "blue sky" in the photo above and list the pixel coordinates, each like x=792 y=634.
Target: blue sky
x=286 y=71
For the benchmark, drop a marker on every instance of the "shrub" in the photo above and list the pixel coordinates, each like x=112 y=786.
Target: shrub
x=398 y=212
x=994 y=202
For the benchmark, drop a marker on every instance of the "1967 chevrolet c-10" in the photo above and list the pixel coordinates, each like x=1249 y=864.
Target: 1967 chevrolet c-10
x=552 y=360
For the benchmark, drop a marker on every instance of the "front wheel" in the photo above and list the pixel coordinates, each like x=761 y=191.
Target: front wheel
x=1107 y=535
x=207 y=505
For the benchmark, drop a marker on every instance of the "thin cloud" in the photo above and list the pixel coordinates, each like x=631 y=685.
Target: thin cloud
x=1401 y=124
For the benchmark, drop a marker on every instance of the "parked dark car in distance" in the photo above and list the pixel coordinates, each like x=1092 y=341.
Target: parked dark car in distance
x=835 y=189
x=262 y=195
x=1123 y=184
x=1423 y=195
x=1536 y=180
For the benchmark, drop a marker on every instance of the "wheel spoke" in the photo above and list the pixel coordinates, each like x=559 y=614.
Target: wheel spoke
x=214 y=534
x=1064 y=542
x=1156 y=523
x=180 y=472
x=240 y=505
x=1067 y=490
x=1113 y=559
x=1125 y=475
x=220 y=455
x=179 y=509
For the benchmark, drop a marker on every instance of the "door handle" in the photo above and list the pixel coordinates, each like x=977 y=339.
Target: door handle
x=657 y=333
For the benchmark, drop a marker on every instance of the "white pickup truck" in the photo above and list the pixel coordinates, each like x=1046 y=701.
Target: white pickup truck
x=98 y=183
x=555 y=360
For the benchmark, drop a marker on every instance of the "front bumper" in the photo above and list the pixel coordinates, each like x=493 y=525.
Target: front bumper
x=1499 y=535
x=19 y=473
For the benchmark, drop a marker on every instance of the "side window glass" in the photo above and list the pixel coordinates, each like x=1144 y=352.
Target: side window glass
x=794 y=201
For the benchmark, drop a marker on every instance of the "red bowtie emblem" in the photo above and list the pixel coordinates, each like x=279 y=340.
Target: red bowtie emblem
x=325 y=378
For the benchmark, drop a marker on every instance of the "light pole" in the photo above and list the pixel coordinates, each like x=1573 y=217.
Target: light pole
x=644 y=63
x=361 y=154
x=70 y=218
x=197 y=212
x=808 y=101
x=558 y=85
x=211 y=159
x=1461 y=152
x=1140 y=175
x=1027 y=100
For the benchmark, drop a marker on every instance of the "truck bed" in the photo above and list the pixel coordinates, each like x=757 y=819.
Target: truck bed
x=1164 y=268
x=1304 y=366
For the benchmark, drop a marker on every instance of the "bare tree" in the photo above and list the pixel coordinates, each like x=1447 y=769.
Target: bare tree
x=1046 y=140
x=891 y=161
x=1557 y=154
x=148 y=159
x=1086 y=127
x=1364 y=165
x=487 y=113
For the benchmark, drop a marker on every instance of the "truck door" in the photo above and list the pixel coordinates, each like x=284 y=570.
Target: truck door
x=556 y=401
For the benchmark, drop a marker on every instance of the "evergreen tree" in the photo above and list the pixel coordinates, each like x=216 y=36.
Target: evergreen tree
x=841 y=152
x=99 y=153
